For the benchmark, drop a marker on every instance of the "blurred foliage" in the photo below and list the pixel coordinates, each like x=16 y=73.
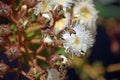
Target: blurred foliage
x=88 y=71
x=107 y=9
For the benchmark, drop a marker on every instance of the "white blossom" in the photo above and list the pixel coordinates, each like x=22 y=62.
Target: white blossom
x=47 y=15
x=48 y=40
x=43 y=6
x=60 y=25
x=79 y=42
x=85 y=11
x=64 y=3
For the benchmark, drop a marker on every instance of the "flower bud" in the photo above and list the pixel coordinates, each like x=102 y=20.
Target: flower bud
x=5 y=10
x=4 y=30
x=34 y=72
x=13 y=52
x=2 y=41
x=48 y=40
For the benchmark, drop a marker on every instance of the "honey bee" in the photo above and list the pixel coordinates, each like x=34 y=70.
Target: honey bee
x=70 y=30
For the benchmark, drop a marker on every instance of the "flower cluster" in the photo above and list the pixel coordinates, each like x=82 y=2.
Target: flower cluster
x=82 y=21
x=57 y=28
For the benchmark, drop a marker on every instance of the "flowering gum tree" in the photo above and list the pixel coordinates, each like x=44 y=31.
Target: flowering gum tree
x=44 y=33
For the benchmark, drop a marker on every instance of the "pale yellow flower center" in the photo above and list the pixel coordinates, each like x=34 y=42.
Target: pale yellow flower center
x=60 y=24
x=44 y=6
x=76 y=41
x=85 y=12
x=61 y=1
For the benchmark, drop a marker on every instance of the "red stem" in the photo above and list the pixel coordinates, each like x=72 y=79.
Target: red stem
x=40 y=49
x=27 y=76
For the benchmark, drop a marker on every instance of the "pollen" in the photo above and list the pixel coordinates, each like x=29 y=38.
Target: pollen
x=76 y=41
x=44 y=6
x=60 y=24
x=85 y=12
x=62 y=1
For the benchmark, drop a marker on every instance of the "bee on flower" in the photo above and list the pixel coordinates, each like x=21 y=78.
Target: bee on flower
x=79 y=42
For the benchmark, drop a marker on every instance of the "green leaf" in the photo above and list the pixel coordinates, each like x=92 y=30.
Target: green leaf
x=61 y=51
x=107 y=11
x=25 y=59
x=24 y=24
x=12 y=39
x=30 y=35
x=33 y=47
x=17 y=2
x=45 y=53
x=33 y=17
x=43 y=64
x=13 y=28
